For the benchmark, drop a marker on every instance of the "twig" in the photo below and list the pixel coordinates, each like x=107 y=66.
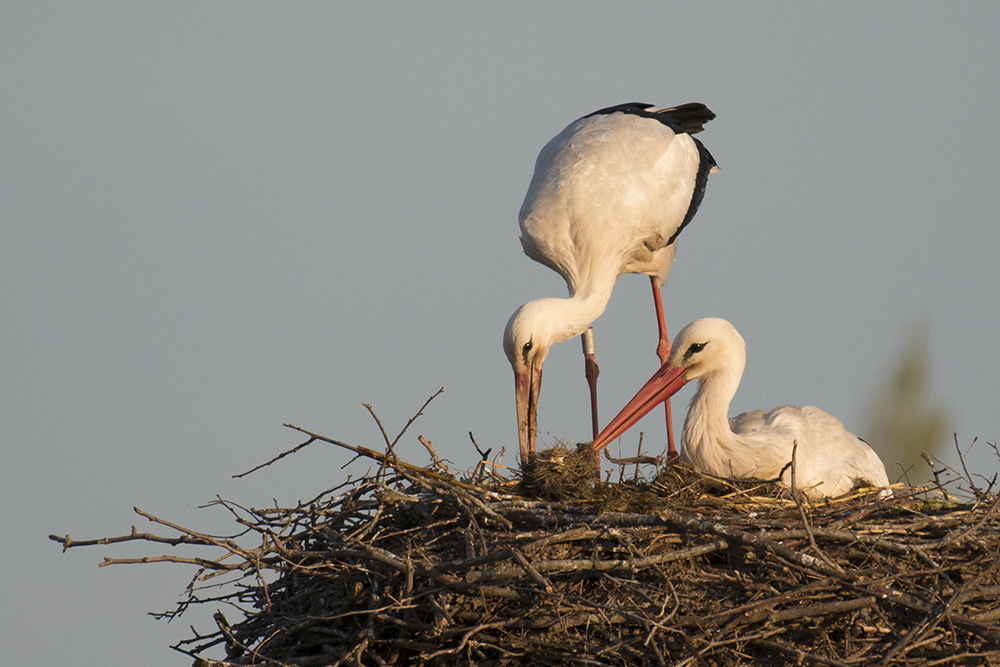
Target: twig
x=385 y=436
x=419 y=412
x=802 y=514
x=638 y=454
x=69 y=542
x=532 y=571
x=437 y=463
x=276 y=458
x=379 y=456
x=937 y=475
x=799 y=655
x=961 y=458
x=482 y=455
x=200 y=562
x=629 y=460
x=465 y=638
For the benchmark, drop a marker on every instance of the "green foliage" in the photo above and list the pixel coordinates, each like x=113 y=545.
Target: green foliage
x=903 y=420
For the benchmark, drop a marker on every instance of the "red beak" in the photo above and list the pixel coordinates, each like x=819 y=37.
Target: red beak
x=527 y=385
x=664 y=384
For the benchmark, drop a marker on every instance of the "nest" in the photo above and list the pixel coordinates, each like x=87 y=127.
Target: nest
x=413 y=565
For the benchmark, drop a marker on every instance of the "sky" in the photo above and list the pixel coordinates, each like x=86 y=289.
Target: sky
x=220 y=217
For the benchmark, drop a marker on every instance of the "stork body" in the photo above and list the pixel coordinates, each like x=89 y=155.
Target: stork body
x=829 y=459
x=609 y=195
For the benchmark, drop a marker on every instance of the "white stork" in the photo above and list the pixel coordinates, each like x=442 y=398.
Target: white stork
x=609 y=196
x=829 y=459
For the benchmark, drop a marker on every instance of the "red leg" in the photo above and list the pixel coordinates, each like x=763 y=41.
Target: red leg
x=592 y=371
x=663 y=352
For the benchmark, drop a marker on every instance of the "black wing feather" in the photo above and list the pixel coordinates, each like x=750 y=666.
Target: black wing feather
x=687 y=118
x=705 y=165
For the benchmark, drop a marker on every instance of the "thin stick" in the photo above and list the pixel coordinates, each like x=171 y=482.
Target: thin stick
x=381 y=457
x=968 y=477
x=385 y=436
x=802 y=514
x=277 y=458
x=428 y=445
x=937 y=476
x=419 y=412
x=69 y=542
x=482 y=455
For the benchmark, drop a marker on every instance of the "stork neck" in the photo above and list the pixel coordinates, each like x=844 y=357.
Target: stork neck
x=581 y=308
x=707 y=435
x=558 y=319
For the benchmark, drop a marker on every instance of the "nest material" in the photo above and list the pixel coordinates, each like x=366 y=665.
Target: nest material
x=560 y=472
x=410 y=566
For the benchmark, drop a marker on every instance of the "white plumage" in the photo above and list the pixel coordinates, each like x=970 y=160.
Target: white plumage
x=609 y=195
x=829 y=459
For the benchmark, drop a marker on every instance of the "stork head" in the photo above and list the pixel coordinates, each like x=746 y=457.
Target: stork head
x=526 y=341
x=708 y=346
x=705 y=348
x=531 y=331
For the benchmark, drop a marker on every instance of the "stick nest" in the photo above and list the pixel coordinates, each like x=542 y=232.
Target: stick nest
x=411 y=565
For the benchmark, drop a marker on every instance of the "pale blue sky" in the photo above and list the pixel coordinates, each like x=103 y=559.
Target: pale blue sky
x=218 y=217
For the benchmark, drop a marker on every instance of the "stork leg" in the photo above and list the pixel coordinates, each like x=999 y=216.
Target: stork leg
x=663 y=352
x=592 y=371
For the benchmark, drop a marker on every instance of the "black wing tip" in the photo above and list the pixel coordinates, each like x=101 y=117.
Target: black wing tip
x=627 y=107
x=690 y=117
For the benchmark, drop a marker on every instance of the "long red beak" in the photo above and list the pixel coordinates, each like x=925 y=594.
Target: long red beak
x=527 y=384
x=664 y=384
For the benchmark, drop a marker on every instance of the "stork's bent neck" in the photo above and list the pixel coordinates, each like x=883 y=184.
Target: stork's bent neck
x=707 y=433
x=569 y=317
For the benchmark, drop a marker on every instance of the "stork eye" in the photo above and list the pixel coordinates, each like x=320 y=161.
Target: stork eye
x=526 y=349
x=695 y=348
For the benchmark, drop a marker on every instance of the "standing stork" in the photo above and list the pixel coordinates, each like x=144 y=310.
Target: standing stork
x=829 y=459
x=609 y=196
